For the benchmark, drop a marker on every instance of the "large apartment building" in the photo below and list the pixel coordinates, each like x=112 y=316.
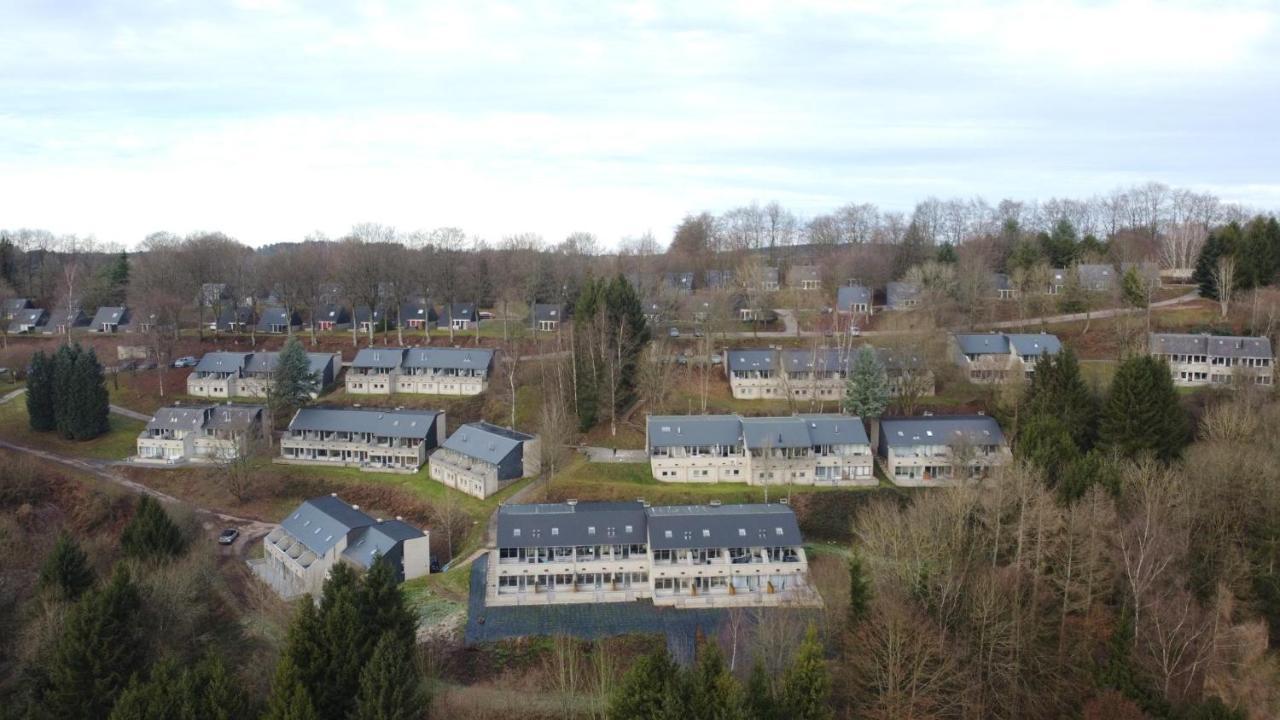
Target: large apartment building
x=426 y=371
x=770 y=374
x=369 y=439
x=802 y=450
x=686 y=556
x=931 y=450
x=995 y=357
x=250 y=374
x=480 y=458
x=199 y=433
x=324 y=531
x=1197 y=360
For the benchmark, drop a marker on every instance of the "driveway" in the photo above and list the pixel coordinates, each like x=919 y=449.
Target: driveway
x=609 y=455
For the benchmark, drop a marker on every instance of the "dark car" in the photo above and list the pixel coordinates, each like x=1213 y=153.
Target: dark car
x=435 y=566
x=228 y=536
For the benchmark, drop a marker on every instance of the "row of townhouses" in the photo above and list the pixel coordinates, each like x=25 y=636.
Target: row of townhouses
x=199 y=433
x=24 y=318
x=431 y=371
x=686 y=556
x=250 y=374
x=324 y=531
x=771 y=374
x=940 y=449
x=1197 y=360
x=802 y=450
x=365 y=438
x=274 y=319
x=994 y=357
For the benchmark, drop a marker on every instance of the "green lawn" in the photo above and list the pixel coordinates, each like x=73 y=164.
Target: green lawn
x=118 y=444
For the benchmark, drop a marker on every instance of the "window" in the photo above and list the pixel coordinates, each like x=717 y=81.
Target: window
x=591 y=530
x=555 y=531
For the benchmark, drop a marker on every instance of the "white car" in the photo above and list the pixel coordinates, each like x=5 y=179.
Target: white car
x=185 y=361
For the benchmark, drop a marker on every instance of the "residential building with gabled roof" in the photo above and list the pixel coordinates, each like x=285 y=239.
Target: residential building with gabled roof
x=64 y=320
x=901 y=295
x=419 y=314
x=181 y=434
x=682 y=556
x=461 y=316
x=994 y=357
x=481 y=459
x=546 y=317
x=804 y=277
x=332 y=316
x=369 y=439
x=424 y=371
x=233 y=318
x=276 y=320
x=109 y=319
x=27 y=320
x=12 y=306
x=1003 y=285
x=933 y=449
x=772 y=374
x=323 y=531
x=367 y=321
x=250 y=374
x=678 y=282
x=1199 y=360
x=855 y=300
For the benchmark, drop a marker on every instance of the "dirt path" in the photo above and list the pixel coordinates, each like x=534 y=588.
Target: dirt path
x=11 y=395
x=1095 y=315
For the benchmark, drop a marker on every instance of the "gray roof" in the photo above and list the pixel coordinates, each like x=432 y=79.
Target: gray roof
x=1001 y=281
x=233 y=315
x=900 y=359
x=379 y=358
x=223 y=362
x=418 y=310
x=719 y=278
x=836 y=430
x=706 y=526
x=362 y=314
x=64 y=316
x=1096 y=276
x=799 y=273
x=320 y=522
x=449 y=358
x=548 y=311
x=753 y=359
x=31 y=316
x=235 y=417
x=194 y=417
x=562 y=524
x=109 y=315
x=1004 y=343
x=1212 y=345
x=462 y=311
x=264 y=362
x=789 y=432
x=485 y=442
x=13 y=305
x=850 y=295
x=333 y=312
x=187 y=417
x=385 y=423
x=940 y=430
x=982 y=343
x=1035 y=343
x=378 y=540
x=823 y=360
x=896 y=293
x=681 y=430
x=678 y=280
x=276 y=315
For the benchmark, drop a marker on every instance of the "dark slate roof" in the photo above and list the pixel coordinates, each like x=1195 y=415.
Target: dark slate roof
x=378 y=540
x=1034 y=343
x=900 y=359
x=320 y=522
x=187 y=417
x=379 y=358
x=13 y=305
x=753 y=359
x=1001 y=281
x=779 y=432
x=769 y=275
x=681 y=430
x=334 y=313
x=1096 y=277
x=110 y=315
x=485 y=442
x=276 y=315
x=1211 y=345
x=236 y=315
x=678 y=280
x=719 y=278
x=706 y=526
x=362 y=314
x=799 y=273
x=449 y=358
x=940 y=430
x=982 y=343
x=418 y=310
x=836 y=430
x=64 y=316
x=32 y=316
x=547 y=311
x=562 y=524
x=235 y=417
x=265 y=362
x=387 y=423
x=897 y=293
x=462 y=311
x=823 y=360
x=847 y=297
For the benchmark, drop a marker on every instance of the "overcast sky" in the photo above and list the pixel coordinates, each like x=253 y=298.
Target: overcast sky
x=268 y=120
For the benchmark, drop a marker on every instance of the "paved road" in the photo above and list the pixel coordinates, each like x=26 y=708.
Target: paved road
x=11 y=395
x=1095 y=315
x=609 y=455
x=126 y=412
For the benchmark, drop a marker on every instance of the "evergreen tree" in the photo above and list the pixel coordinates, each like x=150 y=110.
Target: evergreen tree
x=98 y=652
x=806 y=684
x=1259 y=252
x=93 y=418
x=947 y=253
x=859 y=590
x=1074 y=297
x=628 y=330
x=642 y=693
x=305 y=652
x=1058 y=390
x=1222 y=241
x=390 y=687
x=1024 y=256
x=345 y=643
x=609 y=318
x=1142 y=413
x=42 y=413
x=759 y=703
x=66 y=571
x=713 y=692
x=216 y=694
x=151 y=534
x=1091 y=245
x=382 y=606
x=1044 y=442
x=1133 y=288
x=160 y=697
x=67 y=403
x=866 y=392
x=1060 y=245
x=293 y=381
x=289 y=697
x=914 y=249
x=586 y=360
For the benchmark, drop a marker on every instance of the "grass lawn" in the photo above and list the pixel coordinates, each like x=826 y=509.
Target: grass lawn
x=117 y=444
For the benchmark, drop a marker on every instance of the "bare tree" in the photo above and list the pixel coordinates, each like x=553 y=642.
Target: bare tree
x=1224 y=279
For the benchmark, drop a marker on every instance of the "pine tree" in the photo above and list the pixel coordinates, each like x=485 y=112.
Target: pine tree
x=759 y=703
x=586 y=323
x=67 y=402
x=859 y=590
x=1133 y=288
x=305 y=649
x=713 y=692
x=94 y=401
x=293 y=381
x=1058 y=390
x=345 y=644
x=42 y=413
x=66 y=571
x=289 y=697
x=1222 y=241
x=98 y=652
x=947 y=253
x=1060 y=245
x=643 y=691
x=151 y=534
x=1044 y=442
x=1142 y=413
x=382 y=606
x=159 y=697
x=806 y=684
x=866 y=392
x=213 y=693
x=390 y=687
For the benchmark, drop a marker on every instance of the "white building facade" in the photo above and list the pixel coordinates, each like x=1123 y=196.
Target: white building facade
x=1201 y=360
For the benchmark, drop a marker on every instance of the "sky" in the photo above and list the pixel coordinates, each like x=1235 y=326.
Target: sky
x=273 y=119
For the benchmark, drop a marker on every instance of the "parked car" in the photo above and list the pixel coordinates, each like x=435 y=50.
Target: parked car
x=228 y=536
x=673 y=332
x=435 y=565
x=698 y=333
x=854 y=330
x=147 y=365
x=185 y=361
x=485 y=315
x=716 y=359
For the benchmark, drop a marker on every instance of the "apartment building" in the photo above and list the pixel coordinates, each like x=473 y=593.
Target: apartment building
x=199 y=433
x=686 y=556
x=368 y=439
x=994 y=357
x=480 y=459
x=235 y=374
x=1198 y=360
x=324 y=531
x=425 y=371
x=828 y=450
x=770 y=374
x=933 y=449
